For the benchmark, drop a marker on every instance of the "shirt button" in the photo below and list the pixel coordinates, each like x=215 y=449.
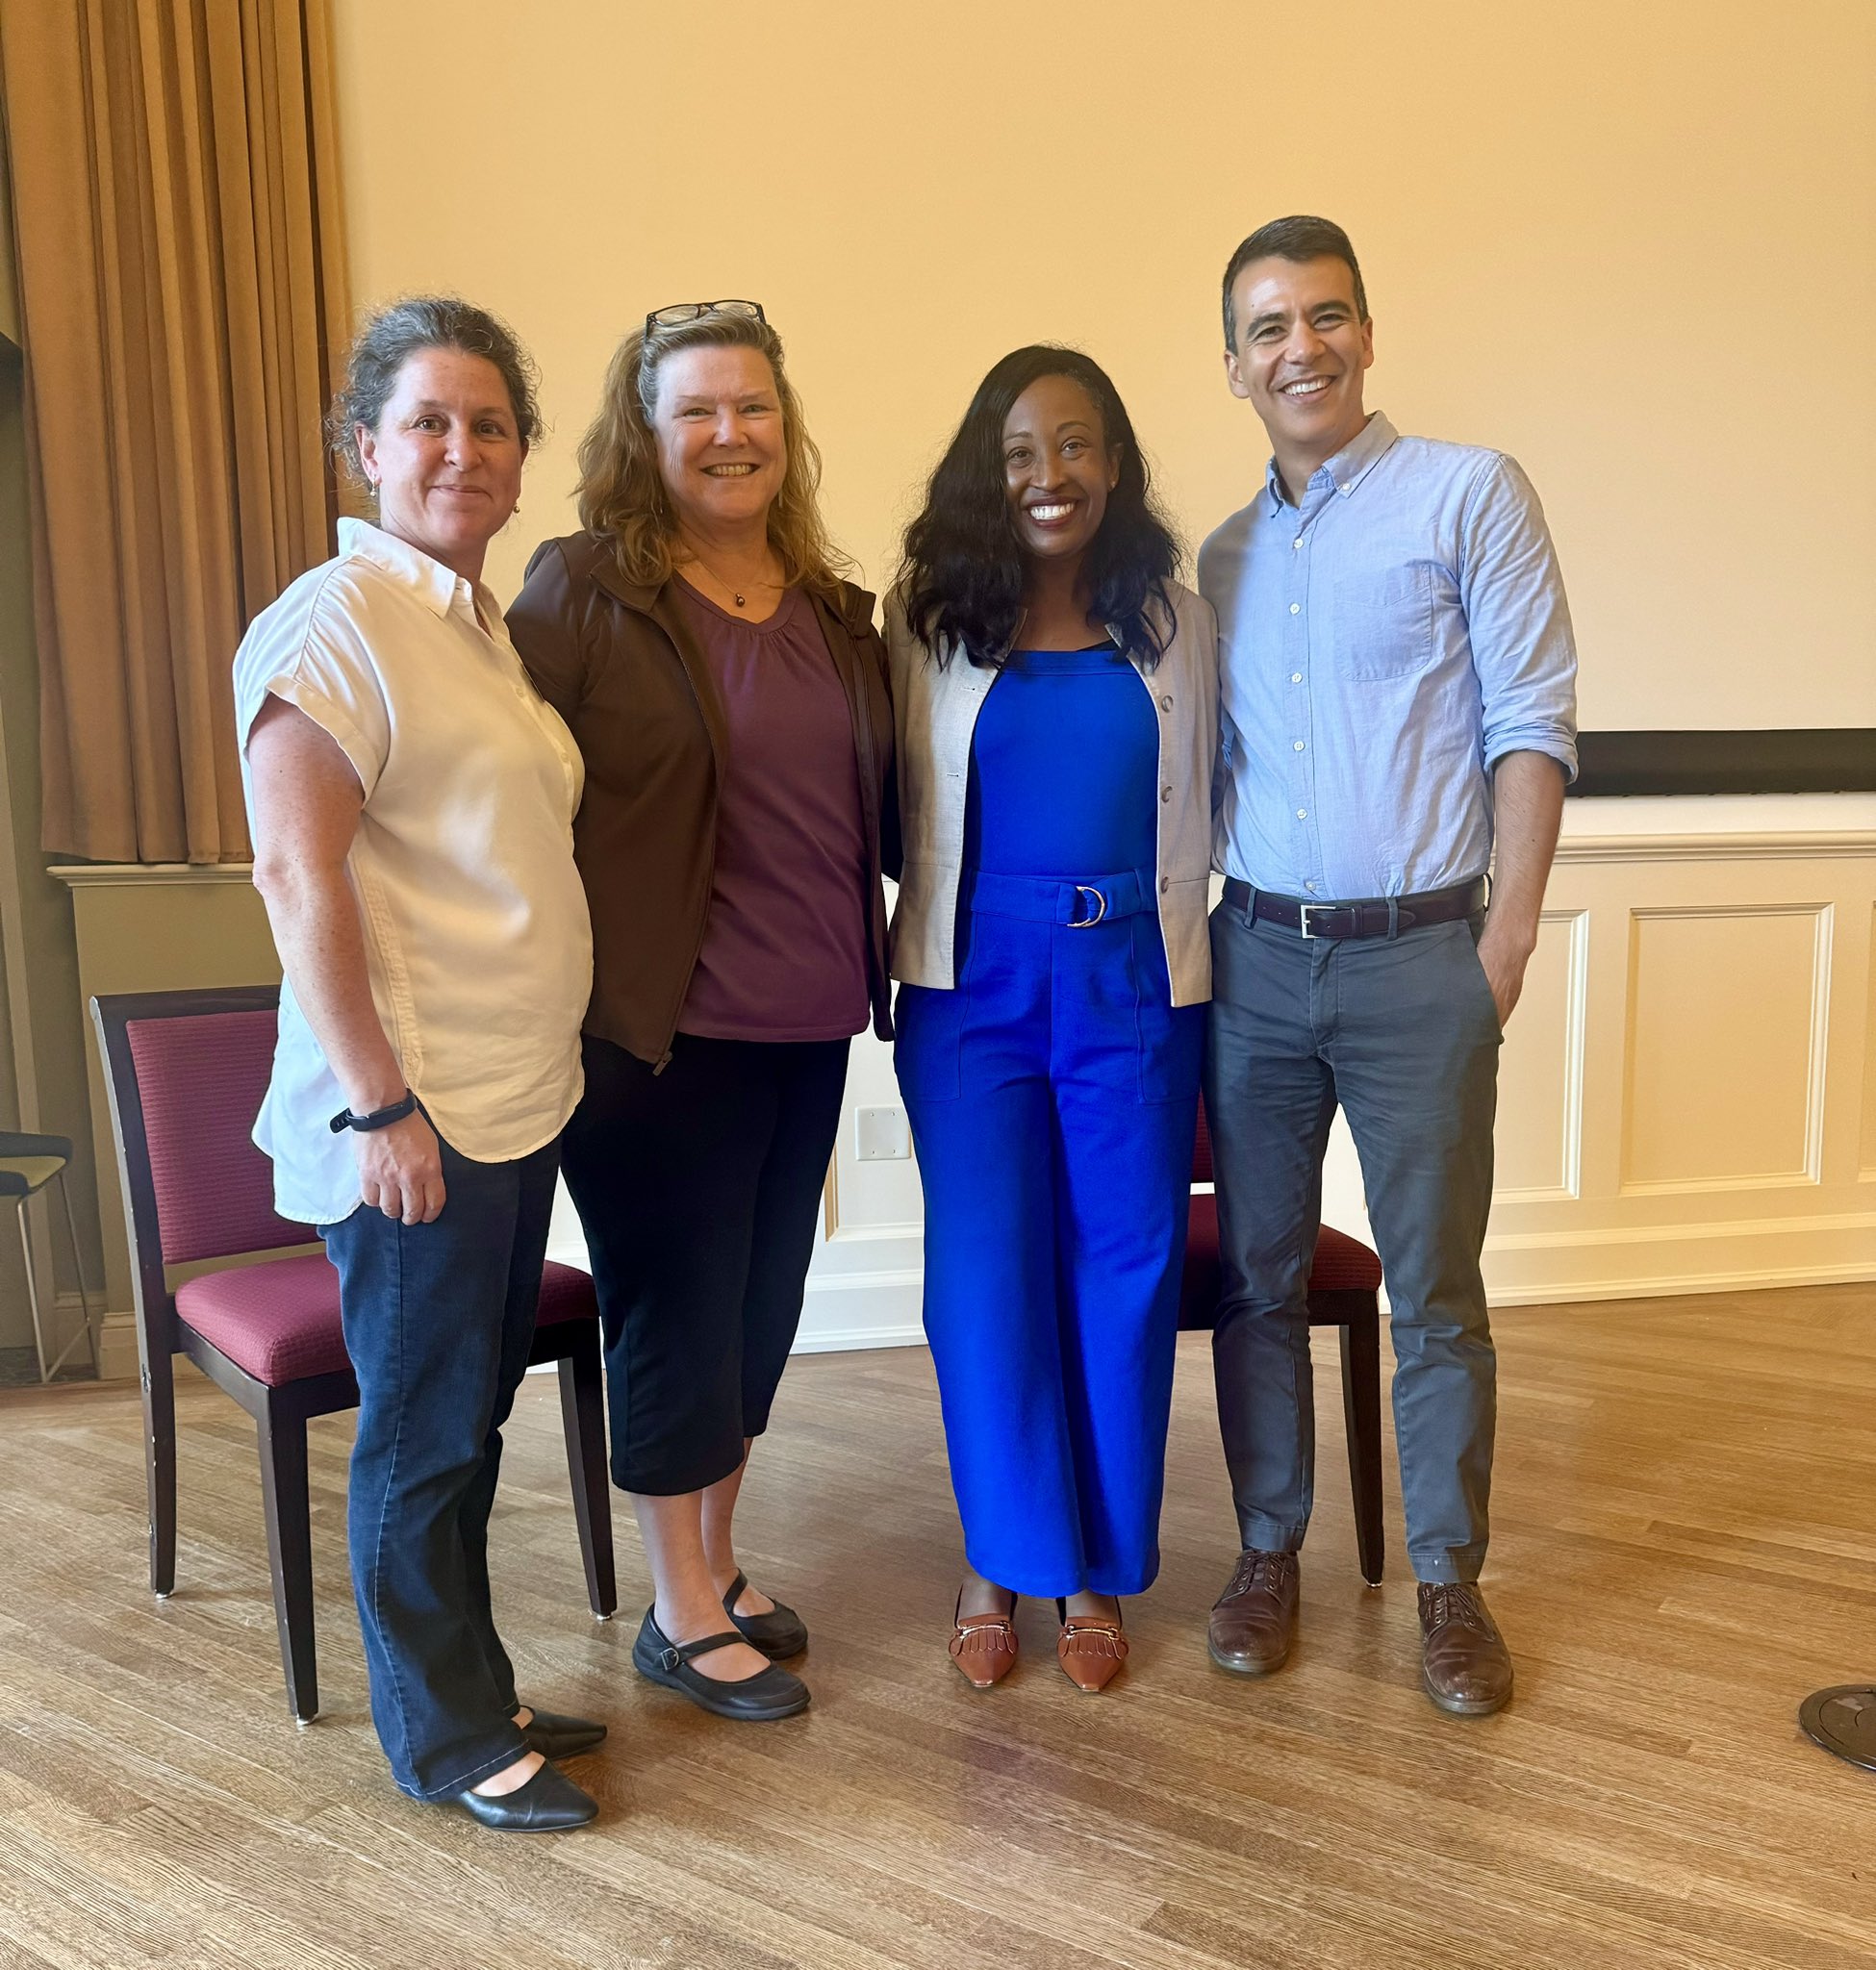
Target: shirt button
x=1303 y=813
x=1298 y=747
x=1295 y=676
x=1310 y=887
x=1296 y=543
x=1296 y=608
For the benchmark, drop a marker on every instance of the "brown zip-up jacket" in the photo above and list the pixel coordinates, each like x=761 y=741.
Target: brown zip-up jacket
x=616 y=660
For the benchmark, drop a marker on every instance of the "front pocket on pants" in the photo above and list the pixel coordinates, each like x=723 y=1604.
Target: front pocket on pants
x=931 y=1026
x=1172 y=1039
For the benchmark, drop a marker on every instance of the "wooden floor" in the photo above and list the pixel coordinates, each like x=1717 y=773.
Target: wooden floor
x=1686 y=1544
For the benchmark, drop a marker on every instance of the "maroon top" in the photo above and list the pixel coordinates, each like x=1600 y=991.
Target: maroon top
x=784 y=952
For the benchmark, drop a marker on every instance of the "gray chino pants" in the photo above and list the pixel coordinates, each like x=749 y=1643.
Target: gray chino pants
x=1404 y=1034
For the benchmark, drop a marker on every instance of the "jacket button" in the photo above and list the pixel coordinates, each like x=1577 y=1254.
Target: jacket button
x=1165 y=883
x=1166 y=704
x=1165 y=793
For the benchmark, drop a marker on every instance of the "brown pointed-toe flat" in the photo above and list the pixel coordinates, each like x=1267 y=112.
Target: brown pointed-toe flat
x=1091 y=1651
x=983 y=1645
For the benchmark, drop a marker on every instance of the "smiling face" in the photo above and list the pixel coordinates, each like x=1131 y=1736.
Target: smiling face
x=1057 y=469
x=1302 y=352
x=722 y=450
x=446 y=457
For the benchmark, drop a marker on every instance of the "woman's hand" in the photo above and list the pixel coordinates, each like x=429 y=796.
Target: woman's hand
x=400 y=1169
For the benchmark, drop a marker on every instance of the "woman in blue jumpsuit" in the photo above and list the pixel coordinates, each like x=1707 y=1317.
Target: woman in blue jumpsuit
x=1055 y=698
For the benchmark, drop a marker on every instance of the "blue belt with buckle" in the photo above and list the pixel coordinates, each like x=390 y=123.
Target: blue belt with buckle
x=1041 y=899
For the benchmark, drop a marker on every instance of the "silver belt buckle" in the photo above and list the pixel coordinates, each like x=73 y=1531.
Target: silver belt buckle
x=1100 y=896
x=1304 y=909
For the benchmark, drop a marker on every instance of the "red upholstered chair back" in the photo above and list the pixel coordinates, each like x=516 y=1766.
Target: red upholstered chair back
x=1201 y=1151
x=200 y=1079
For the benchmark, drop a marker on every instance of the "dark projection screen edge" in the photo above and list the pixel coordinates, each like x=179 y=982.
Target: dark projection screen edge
x=1780 y=760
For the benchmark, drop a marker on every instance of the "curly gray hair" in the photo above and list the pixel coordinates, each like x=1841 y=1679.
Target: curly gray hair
x=403 y=329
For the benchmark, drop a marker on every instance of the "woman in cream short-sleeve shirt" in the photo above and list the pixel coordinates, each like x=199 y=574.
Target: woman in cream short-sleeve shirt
x=412 y=800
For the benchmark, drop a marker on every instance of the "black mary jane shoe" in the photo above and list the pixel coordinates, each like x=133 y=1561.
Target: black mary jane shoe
x=555 y=1737
x=550 y=1803
x=759 y=1699
x=778 y=1635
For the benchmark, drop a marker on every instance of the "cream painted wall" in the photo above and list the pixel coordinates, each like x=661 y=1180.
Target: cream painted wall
x=1632 y=241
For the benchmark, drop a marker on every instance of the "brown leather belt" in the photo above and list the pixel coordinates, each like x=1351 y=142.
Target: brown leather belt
x=1376 y=917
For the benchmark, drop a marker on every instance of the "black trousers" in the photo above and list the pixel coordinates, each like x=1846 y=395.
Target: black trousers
x=697 y=1190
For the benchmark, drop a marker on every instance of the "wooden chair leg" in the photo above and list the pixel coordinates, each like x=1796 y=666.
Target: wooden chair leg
x=282 y=1436
x=1361 y=1416
x=158 y=1375
x=583 y=1419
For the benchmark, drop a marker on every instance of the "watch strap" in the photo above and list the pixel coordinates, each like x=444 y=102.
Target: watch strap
x=379 y=1117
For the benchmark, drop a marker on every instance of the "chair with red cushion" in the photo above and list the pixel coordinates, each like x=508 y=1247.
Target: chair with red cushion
x=187 y=1071
x=1344 y=1292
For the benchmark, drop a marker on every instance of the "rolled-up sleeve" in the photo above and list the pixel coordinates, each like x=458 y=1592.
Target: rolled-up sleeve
x=311 y=651
x=1523 y=651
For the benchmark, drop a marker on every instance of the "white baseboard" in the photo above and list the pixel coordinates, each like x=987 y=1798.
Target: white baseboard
x=877 y=1309
x=1665 y=1286
x=118 y=1359
x=1644 y=1262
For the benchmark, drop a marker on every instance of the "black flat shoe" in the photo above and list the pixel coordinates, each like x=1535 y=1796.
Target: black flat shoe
x=759 y=1699
x=555 y=1737
x=550 y=1803
x=779 y=1633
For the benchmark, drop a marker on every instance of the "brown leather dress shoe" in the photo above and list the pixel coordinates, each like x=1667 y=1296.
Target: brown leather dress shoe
x=983 y=1645
x=1464 y=1662
x=1091 y=1651
x=1252 y=1623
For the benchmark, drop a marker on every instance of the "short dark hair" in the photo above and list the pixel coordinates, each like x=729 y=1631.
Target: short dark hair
x=1297 y=238
x=394 y=333
x=961 y=581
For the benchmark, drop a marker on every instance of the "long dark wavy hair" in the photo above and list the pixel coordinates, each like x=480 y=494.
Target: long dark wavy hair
x=961 y=576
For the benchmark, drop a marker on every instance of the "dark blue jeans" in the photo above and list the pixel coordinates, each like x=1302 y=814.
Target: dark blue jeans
x=439 y=1319
x=1402 y=1035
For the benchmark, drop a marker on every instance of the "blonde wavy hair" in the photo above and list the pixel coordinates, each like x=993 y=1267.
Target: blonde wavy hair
x=622 y=497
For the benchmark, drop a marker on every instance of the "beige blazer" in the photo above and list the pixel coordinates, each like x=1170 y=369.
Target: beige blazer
x=935 y=711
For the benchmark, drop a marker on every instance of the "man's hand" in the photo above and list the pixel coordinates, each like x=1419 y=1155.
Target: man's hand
x=1528 y=791
x=400 y=1169
x=1504 y=956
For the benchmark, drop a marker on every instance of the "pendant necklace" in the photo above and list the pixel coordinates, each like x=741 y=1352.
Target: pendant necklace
x=742 y=600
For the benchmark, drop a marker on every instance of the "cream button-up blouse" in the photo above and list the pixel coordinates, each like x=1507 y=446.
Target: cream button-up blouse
x=475 y=919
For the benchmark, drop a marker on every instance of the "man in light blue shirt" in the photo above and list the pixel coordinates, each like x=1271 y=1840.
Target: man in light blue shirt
x=1397 y=680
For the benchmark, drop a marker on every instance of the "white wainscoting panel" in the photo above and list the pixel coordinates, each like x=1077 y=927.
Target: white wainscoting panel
x=1686 y=1099
x=1540 y=1136
x=1866 y=1157
x=1726 y=1046
x=1723 y=1119
x=1686 y=1102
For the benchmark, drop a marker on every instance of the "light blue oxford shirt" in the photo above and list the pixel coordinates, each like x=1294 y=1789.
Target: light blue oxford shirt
x=1380 y=649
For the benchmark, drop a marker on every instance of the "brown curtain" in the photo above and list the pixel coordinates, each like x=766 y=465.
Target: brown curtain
x=181 y=277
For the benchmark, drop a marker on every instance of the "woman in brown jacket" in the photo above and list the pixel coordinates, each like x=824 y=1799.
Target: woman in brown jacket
x=729 y=691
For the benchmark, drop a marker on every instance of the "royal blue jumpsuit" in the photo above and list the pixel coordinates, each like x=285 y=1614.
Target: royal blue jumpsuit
x=1052 y=1096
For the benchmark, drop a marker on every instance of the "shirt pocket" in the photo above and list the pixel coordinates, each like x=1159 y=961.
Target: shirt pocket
x=1384 y=621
